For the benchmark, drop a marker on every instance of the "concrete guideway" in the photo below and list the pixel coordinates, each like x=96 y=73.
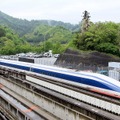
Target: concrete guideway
x=49 y=105
x=45 y=101
x=99 y=102
x=27 y=111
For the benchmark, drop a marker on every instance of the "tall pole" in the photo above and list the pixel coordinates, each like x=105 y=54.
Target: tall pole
x=44 y=45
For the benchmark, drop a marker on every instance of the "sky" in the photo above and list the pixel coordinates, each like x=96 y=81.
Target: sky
x=69 y=11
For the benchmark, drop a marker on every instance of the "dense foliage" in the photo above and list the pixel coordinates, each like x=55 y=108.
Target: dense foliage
x=49 y=38
x=18 y=36
x=102 y=37
x=52 y=34
x=10 y=43
x=38 y=35
x=23 y=27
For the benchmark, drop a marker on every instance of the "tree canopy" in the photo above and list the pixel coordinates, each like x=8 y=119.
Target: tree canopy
x=11 y=43
x=102 y=37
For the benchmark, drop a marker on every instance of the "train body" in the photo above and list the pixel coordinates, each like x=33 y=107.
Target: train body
x=94 y=81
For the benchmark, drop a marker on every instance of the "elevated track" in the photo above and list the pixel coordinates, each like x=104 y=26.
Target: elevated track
x=51 y=97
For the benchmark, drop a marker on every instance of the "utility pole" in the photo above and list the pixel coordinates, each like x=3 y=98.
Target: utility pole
x=85 y=21
x=44 y=45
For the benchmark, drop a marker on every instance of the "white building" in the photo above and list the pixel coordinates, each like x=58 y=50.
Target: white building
x=114 y=70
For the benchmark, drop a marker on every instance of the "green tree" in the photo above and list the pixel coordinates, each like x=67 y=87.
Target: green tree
x=102 y=37
x=2 y=31
x=9 y=48
x=26 y=47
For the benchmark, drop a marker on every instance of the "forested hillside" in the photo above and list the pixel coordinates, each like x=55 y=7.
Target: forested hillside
x=23 y=27
x=39 y=34
x=10 y=43
x=17 y=35
x=52 y=34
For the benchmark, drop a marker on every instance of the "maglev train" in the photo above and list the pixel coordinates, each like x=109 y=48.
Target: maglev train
x=93 y=81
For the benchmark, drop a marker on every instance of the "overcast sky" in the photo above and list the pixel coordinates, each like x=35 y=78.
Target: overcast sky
x=62 y=10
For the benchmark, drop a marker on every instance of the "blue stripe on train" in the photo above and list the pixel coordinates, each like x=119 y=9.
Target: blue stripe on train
x=77 y=79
